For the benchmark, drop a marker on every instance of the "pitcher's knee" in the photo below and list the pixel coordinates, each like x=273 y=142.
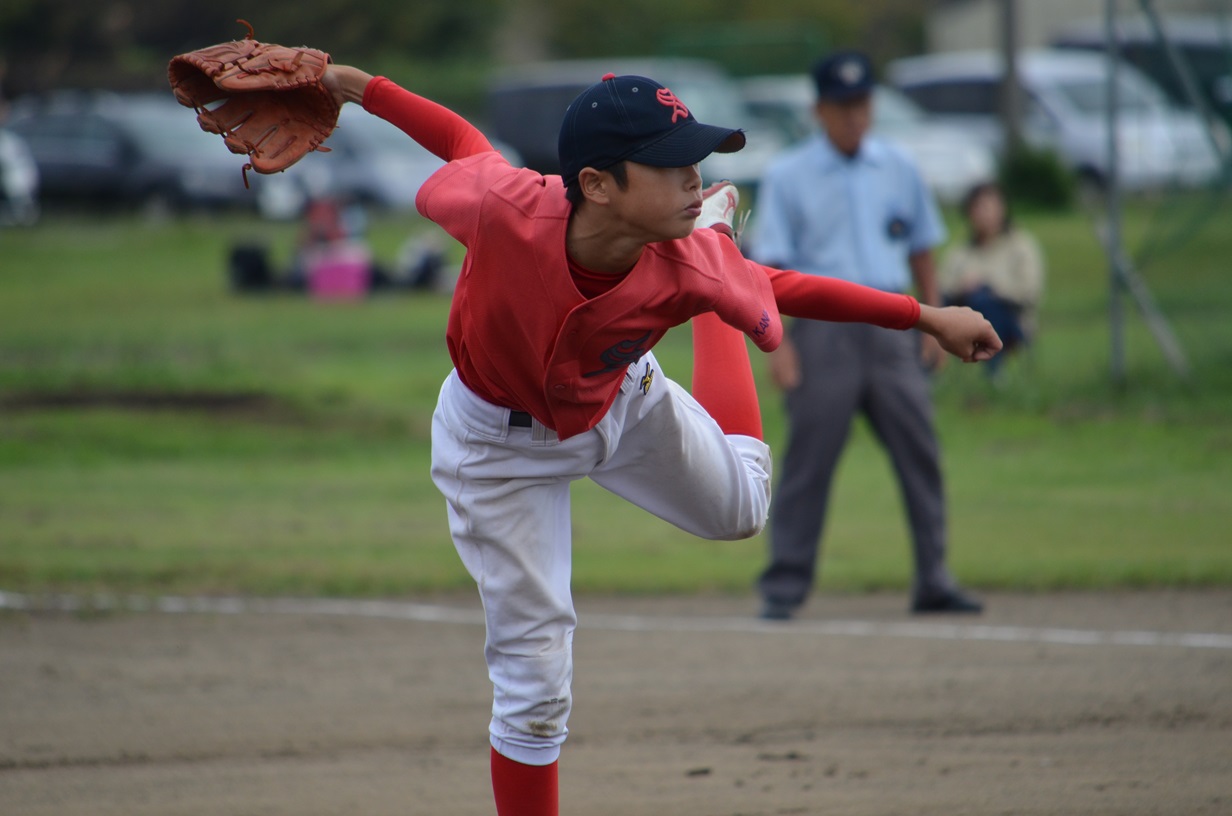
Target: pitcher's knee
x=739 y=526
x=746 y=511
x=752 y=527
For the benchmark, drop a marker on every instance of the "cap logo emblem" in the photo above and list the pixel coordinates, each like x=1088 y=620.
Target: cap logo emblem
x=668 y=99
x=851 y=72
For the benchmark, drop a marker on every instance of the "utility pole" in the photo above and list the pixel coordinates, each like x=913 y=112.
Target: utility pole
x=1011 y=88
x=1112 y=238
x=1124 y=281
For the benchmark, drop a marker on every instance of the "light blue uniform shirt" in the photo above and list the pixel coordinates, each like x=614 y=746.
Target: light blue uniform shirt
x=858 y=219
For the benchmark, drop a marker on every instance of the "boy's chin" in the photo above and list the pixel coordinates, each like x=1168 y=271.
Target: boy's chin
x=684 y=230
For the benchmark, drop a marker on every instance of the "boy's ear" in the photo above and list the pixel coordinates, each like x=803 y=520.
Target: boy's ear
x=594 y=185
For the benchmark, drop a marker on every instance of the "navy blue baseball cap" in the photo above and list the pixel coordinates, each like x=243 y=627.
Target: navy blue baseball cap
x=632 y=118
x=843 y=75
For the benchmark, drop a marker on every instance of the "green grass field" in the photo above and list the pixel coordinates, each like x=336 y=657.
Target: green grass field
x=161 y=434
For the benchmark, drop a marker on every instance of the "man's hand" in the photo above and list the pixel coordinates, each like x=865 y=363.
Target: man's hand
x=785 y=366
x=932 y=355
x=961 y=331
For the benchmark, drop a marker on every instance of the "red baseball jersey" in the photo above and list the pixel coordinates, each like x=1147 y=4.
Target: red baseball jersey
x=521 y=335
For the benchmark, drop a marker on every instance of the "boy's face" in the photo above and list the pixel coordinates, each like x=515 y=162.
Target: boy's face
x=658 y=203
x=846 y=122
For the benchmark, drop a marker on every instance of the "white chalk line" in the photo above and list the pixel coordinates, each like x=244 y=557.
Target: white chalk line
x=433 y=613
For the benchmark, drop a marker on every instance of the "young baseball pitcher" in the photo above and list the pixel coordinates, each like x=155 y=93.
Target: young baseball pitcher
x=567 y=284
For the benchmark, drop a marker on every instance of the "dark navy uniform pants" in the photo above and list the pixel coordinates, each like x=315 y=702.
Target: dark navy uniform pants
x=852 y=369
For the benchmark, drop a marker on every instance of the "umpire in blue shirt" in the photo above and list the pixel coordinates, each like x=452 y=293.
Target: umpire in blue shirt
x=852 y=206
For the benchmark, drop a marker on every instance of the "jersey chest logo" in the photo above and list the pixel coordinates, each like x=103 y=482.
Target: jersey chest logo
x=620 y=355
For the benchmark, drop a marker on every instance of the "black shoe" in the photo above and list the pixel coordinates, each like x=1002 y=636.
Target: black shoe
x=776 y=611
x=953 y=602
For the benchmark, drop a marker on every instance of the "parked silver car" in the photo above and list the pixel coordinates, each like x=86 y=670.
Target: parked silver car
x=950 y=160
x=1201 y=42
x=1066 y=110
x=142 y=150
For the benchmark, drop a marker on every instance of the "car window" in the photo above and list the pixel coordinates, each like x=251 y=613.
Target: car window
x=82 y=139
x=893 y=110
x=529 y=118
x=1090 y=95
x=170 y=133
x=711 y=102
x=961 y=96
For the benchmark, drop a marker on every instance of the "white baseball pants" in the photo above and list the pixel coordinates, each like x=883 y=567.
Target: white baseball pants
x=507 y=490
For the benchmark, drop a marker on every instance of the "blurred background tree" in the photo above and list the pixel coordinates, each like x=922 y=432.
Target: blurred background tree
x=771 y=36
x=125 y=44
x=447 y=48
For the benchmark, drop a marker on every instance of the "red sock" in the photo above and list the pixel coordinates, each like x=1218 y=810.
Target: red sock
x=723 y=378
x=524 y=790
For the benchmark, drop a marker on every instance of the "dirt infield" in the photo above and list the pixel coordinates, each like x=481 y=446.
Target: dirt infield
x=1048 y=704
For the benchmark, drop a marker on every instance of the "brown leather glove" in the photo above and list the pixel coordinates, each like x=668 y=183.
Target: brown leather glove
x=266 y=100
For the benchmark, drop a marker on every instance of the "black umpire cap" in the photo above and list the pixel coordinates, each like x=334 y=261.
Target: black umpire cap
x=843 y=75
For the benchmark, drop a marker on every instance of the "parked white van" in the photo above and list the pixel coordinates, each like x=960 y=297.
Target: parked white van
x=950 y=161
x=1065 y=109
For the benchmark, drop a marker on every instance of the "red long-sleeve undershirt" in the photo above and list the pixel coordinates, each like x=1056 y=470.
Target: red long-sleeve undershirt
x=820 y=298
x=437 y=128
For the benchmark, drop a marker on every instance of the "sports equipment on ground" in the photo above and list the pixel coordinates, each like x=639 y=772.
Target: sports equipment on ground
x=265 y=100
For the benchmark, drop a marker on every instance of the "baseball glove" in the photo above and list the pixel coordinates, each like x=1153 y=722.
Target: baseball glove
x=265 y=100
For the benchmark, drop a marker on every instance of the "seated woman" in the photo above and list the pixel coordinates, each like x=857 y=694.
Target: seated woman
x=999 y=272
